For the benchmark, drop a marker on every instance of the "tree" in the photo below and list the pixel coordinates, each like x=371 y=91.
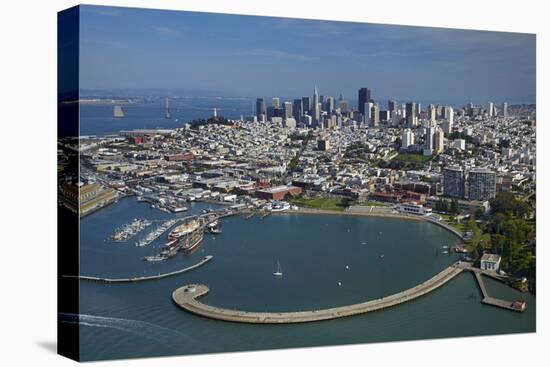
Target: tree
x=454 y=207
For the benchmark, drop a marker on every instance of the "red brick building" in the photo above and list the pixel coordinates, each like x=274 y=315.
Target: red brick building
x=278 y=192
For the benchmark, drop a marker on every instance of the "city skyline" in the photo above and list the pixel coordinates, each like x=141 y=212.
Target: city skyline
x=269 y=57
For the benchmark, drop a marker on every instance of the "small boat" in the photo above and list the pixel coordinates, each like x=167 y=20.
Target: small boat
x=382 y=256
x=347 y=266
x=363 y=243
x=279 y=272
x=339 y=284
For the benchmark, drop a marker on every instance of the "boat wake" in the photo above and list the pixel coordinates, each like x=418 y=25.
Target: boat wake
x=136 y=327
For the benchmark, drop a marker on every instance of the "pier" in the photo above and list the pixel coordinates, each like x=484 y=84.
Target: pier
x=140 y=279
x=187 y=297
x=518 y=306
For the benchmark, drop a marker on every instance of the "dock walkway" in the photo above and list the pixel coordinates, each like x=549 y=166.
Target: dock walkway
x=487 y=299
x=186 y=298
x=139 y=279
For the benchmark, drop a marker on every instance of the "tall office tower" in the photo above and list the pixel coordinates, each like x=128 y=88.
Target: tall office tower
x=260 y=107
x=453 y=182
x=431 y=113
x=341 y=97
x=306 y=104
x=429 y=137
x=364 y=97
x=322 y=102
x=439 y=140
x=490 y=109
x=392 y=108
x=412 y=114
x=505 y=109
x=329 y=104
x=275 y=102
x=297 y=109
x=368 y=112
x=287 y=110
x=440 y=111
x=448 y=123
x=343 y=106
x=270 y=112
x=482 y=184
x=375 y=115
x=407 y=138
x=315 y=112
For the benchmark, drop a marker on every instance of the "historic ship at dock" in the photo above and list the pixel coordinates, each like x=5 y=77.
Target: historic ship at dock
x=187 y=237
x=184 y=229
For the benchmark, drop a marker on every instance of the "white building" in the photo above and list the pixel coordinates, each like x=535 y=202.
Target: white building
x=448 y=123
x=490 y=262
x=459 y=144
x=407 y=138
x=413 y=208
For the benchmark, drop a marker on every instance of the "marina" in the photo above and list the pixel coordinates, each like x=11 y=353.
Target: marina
x=156 y=233
x=127 y=231
x=242 y=279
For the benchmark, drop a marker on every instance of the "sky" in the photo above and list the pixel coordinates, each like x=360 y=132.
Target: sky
x=233 y=55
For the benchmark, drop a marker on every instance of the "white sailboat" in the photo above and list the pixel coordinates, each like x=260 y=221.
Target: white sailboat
x=279 y=272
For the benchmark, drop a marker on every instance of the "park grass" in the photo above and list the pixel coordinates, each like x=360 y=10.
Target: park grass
x=319 y=203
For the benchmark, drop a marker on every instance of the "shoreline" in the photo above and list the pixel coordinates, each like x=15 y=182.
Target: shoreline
x=372 y=214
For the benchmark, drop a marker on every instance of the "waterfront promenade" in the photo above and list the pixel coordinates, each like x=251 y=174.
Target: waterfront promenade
x=140 y=279
x=187 y=296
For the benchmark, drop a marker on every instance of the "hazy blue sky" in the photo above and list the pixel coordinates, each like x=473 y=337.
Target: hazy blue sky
x=262 y=56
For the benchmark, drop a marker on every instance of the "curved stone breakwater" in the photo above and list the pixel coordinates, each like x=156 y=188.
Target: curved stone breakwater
x=186 y=298
x=139 y=279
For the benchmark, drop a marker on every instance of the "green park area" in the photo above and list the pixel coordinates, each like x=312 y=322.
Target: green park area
x=320 y=203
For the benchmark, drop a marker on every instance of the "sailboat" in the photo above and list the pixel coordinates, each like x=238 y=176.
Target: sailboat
x=279 y=272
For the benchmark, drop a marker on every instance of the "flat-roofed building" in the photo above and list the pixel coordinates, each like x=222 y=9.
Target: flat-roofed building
x=277 y=192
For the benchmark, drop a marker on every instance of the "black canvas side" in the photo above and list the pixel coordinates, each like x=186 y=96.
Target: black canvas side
x=68 y=336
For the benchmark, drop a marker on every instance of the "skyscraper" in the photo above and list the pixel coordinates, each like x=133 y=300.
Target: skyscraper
x=315 y=107
x=375 y=115
x=412 y=114
x=432 y=113
x=448 y=123
x=298 y=109
x=505 y=109
x=275 y=102
x=490 y=109
x=482 y=184
x=260 y=107
x=287 y=110
x=439 y=140
x=453 y=182
x=343 y=105
x=306 y=104
x=329 y=104
x=364 y=97
x=392 y=108
x=429 y=137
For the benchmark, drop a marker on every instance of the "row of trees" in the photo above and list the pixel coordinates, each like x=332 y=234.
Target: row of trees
x=447 y=206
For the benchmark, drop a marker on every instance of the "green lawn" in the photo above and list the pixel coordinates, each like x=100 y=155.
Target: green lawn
x=319 y=203
x=462 y=226
x=412 y=158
